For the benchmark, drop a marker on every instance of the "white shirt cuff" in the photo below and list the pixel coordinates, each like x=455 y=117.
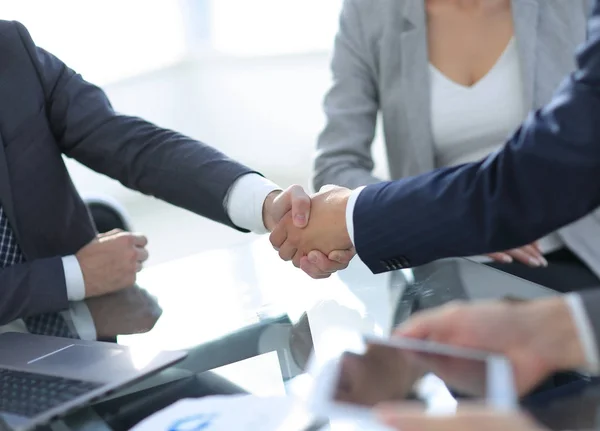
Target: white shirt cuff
x=73 y=278
x=350 y=212
x=81 y=319
x=244 y=202
x=585 y=331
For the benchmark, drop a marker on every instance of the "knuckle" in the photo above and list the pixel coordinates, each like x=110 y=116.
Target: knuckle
x=131 y=256
x=283 y=256
x=341 y=266
x=125 y=240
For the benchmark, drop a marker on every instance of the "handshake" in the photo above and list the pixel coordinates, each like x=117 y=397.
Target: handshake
x=310 y=231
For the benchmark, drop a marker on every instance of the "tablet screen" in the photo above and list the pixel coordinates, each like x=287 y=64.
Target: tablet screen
x=391 y=373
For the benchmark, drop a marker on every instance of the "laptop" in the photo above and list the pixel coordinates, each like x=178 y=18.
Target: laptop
x=44 y=378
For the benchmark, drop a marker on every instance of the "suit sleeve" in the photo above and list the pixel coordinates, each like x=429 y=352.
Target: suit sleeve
x=140 y=155
x=344 y=147
x=32 y=288
x=546 y=176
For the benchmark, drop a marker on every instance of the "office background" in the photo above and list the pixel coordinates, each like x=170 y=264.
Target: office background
x=247 y=77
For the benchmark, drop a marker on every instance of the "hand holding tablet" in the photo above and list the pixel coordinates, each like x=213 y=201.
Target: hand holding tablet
x=406 y=371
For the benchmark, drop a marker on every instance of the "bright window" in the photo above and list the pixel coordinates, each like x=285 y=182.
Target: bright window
x=105 y=40
x=271 y=27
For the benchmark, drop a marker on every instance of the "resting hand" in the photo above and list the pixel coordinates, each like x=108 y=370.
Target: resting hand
x=111 y=262
x=295 y=204
x=326 y=230
x=530 y=255
x=538 y=337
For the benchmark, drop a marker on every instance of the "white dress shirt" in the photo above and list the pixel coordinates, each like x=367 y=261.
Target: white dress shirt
x=244 y=206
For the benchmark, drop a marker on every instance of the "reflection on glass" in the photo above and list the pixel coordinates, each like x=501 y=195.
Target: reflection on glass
x=129 y=311
x=385 y=373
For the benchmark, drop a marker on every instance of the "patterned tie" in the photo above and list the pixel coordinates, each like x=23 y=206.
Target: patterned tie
x=10 y=254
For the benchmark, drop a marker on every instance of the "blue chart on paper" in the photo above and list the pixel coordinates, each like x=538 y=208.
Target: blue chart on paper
x=193 y=423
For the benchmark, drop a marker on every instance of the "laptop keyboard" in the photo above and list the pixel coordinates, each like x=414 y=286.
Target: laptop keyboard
x=29 y=394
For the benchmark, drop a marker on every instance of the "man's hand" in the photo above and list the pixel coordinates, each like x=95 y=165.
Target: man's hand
x=295 y=205
x=129 y=311
x=538 y=337
x=473 y=418
x=530 y=255
x=326 y=230
x=111 y=261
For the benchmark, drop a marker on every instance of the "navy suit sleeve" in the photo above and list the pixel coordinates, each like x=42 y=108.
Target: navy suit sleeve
x=546 y=176
x=32 y=288
x=142 y=156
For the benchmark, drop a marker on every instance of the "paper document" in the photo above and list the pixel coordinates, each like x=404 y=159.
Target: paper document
x=229 y=413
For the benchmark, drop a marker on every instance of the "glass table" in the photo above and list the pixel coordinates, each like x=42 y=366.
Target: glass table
x=255 y=320
x=236 y=304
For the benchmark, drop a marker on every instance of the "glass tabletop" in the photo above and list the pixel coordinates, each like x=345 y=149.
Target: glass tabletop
x=256 y=320
x=244 y=314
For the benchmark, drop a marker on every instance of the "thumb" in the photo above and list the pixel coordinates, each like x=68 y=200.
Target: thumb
x=300 y=203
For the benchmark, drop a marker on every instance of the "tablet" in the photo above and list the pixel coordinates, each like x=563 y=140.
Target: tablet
x=438 y=376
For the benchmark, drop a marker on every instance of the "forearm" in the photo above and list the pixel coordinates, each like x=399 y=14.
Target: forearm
x=163 y=164
x=141 y=155
x=32 y=288
x=545 y=177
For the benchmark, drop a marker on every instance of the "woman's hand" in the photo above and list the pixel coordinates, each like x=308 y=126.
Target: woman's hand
x=530 y=255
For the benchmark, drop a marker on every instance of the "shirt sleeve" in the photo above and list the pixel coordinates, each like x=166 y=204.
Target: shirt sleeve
x=244 y=202
x=73 y=278
x=81 y=320
x=585 y=331
x=350 y=212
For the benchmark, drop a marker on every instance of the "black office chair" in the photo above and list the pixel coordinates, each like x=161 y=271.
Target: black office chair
x=107 y=213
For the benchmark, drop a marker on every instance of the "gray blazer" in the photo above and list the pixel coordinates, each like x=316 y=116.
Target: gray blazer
x=380 y=65
x=47 y=111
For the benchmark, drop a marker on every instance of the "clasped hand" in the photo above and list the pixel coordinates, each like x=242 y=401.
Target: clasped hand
x=318 y=243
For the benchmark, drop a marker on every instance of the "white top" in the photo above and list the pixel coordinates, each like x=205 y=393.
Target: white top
x=469 y=123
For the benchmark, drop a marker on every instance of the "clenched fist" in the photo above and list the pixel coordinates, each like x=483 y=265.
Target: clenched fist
x=111 y=261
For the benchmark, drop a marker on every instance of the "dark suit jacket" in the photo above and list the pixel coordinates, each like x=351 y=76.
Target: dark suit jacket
x=546 y=176
x=47 y=110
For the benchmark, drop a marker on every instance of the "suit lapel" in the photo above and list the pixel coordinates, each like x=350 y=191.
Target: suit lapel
x=408 y=51
x=525 y=18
